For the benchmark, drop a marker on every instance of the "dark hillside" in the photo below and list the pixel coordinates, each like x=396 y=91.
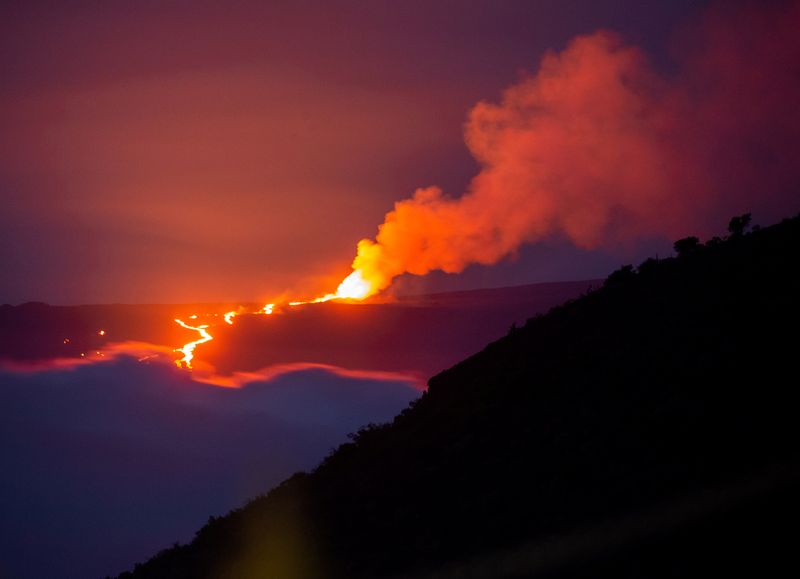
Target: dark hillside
x=648 y=429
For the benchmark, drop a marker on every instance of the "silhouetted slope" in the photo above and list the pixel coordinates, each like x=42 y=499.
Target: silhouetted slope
x=648 y=429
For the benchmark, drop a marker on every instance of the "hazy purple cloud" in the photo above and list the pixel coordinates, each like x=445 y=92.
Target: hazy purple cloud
x=106 y=463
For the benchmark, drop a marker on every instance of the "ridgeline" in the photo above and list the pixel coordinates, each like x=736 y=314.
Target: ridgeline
x=646 y=429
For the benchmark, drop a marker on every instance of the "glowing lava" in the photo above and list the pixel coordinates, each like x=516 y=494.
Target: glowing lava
x=353 y=287
x=188 y=349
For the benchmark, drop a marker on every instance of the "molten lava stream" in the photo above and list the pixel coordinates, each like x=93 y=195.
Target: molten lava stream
x=353 y=287
x=188 y=349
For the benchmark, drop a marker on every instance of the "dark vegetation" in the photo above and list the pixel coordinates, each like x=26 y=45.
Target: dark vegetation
x=647 y=429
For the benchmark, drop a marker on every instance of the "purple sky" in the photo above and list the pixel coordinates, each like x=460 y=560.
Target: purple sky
x=193 y=151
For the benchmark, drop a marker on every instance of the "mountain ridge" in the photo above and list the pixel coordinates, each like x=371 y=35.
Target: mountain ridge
x=667 y=381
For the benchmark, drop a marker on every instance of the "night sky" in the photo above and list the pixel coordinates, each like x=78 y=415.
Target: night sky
x=196 y=151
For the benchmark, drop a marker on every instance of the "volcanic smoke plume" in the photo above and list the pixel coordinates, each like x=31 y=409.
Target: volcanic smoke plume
x=599 y=147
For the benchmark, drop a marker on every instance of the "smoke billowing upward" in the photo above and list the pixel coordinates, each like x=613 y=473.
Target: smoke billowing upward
x=601 y=148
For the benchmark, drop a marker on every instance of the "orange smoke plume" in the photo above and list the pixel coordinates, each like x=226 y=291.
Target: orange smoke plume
x=599 y=148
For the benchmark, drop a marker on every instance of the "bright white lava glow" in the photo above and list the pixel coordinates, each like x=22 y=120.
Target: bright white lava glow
x=353 y=287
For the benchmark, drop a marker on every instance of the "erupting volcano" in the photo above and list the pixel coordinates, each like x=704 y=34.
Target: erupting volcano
x=480 y=245
x=600 y=148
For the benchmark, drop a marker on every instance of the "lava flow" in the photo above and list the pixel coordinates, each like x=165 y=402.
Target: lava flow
x=353 y=287
x=188 y=349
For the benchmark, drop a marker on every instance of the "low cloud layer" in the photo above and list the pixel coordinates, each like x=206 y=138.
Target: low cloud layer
x=108 y=462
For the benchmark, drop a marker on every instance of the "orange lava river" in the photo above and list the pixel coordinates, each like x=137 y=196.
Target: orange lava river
x=353 y=287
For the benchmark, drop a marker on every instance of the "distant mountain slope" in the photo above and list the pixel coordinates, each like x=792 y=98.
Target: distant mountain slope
x=420 y=334
x=648 y=429
x=36 y=331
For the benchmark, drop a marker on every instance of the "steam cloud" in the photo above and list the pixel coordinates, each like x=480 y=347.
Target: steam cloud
x=599 y=147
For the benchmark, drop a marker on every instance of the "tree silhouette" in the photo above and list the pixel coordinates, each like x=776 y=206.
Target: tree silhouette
x=687 y=245
x=620 y=276
x=739 y=224
x=648 y=266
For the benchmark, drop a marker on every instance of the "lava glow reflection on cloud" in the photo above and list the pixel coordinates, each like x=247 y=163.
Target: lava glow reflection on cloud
x=146 y=353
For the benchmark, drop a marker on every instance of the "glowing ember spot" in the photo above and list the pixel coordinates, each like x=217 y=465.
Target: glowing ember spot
x=229 y=317
x=268 y=309
x=193 y=317
x=66 y=340
x=101 y=333
x=188 y=349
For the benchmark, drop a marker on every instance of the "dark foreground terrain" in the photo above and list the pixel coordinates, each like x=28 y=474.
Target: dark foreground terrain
x=648 y=429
